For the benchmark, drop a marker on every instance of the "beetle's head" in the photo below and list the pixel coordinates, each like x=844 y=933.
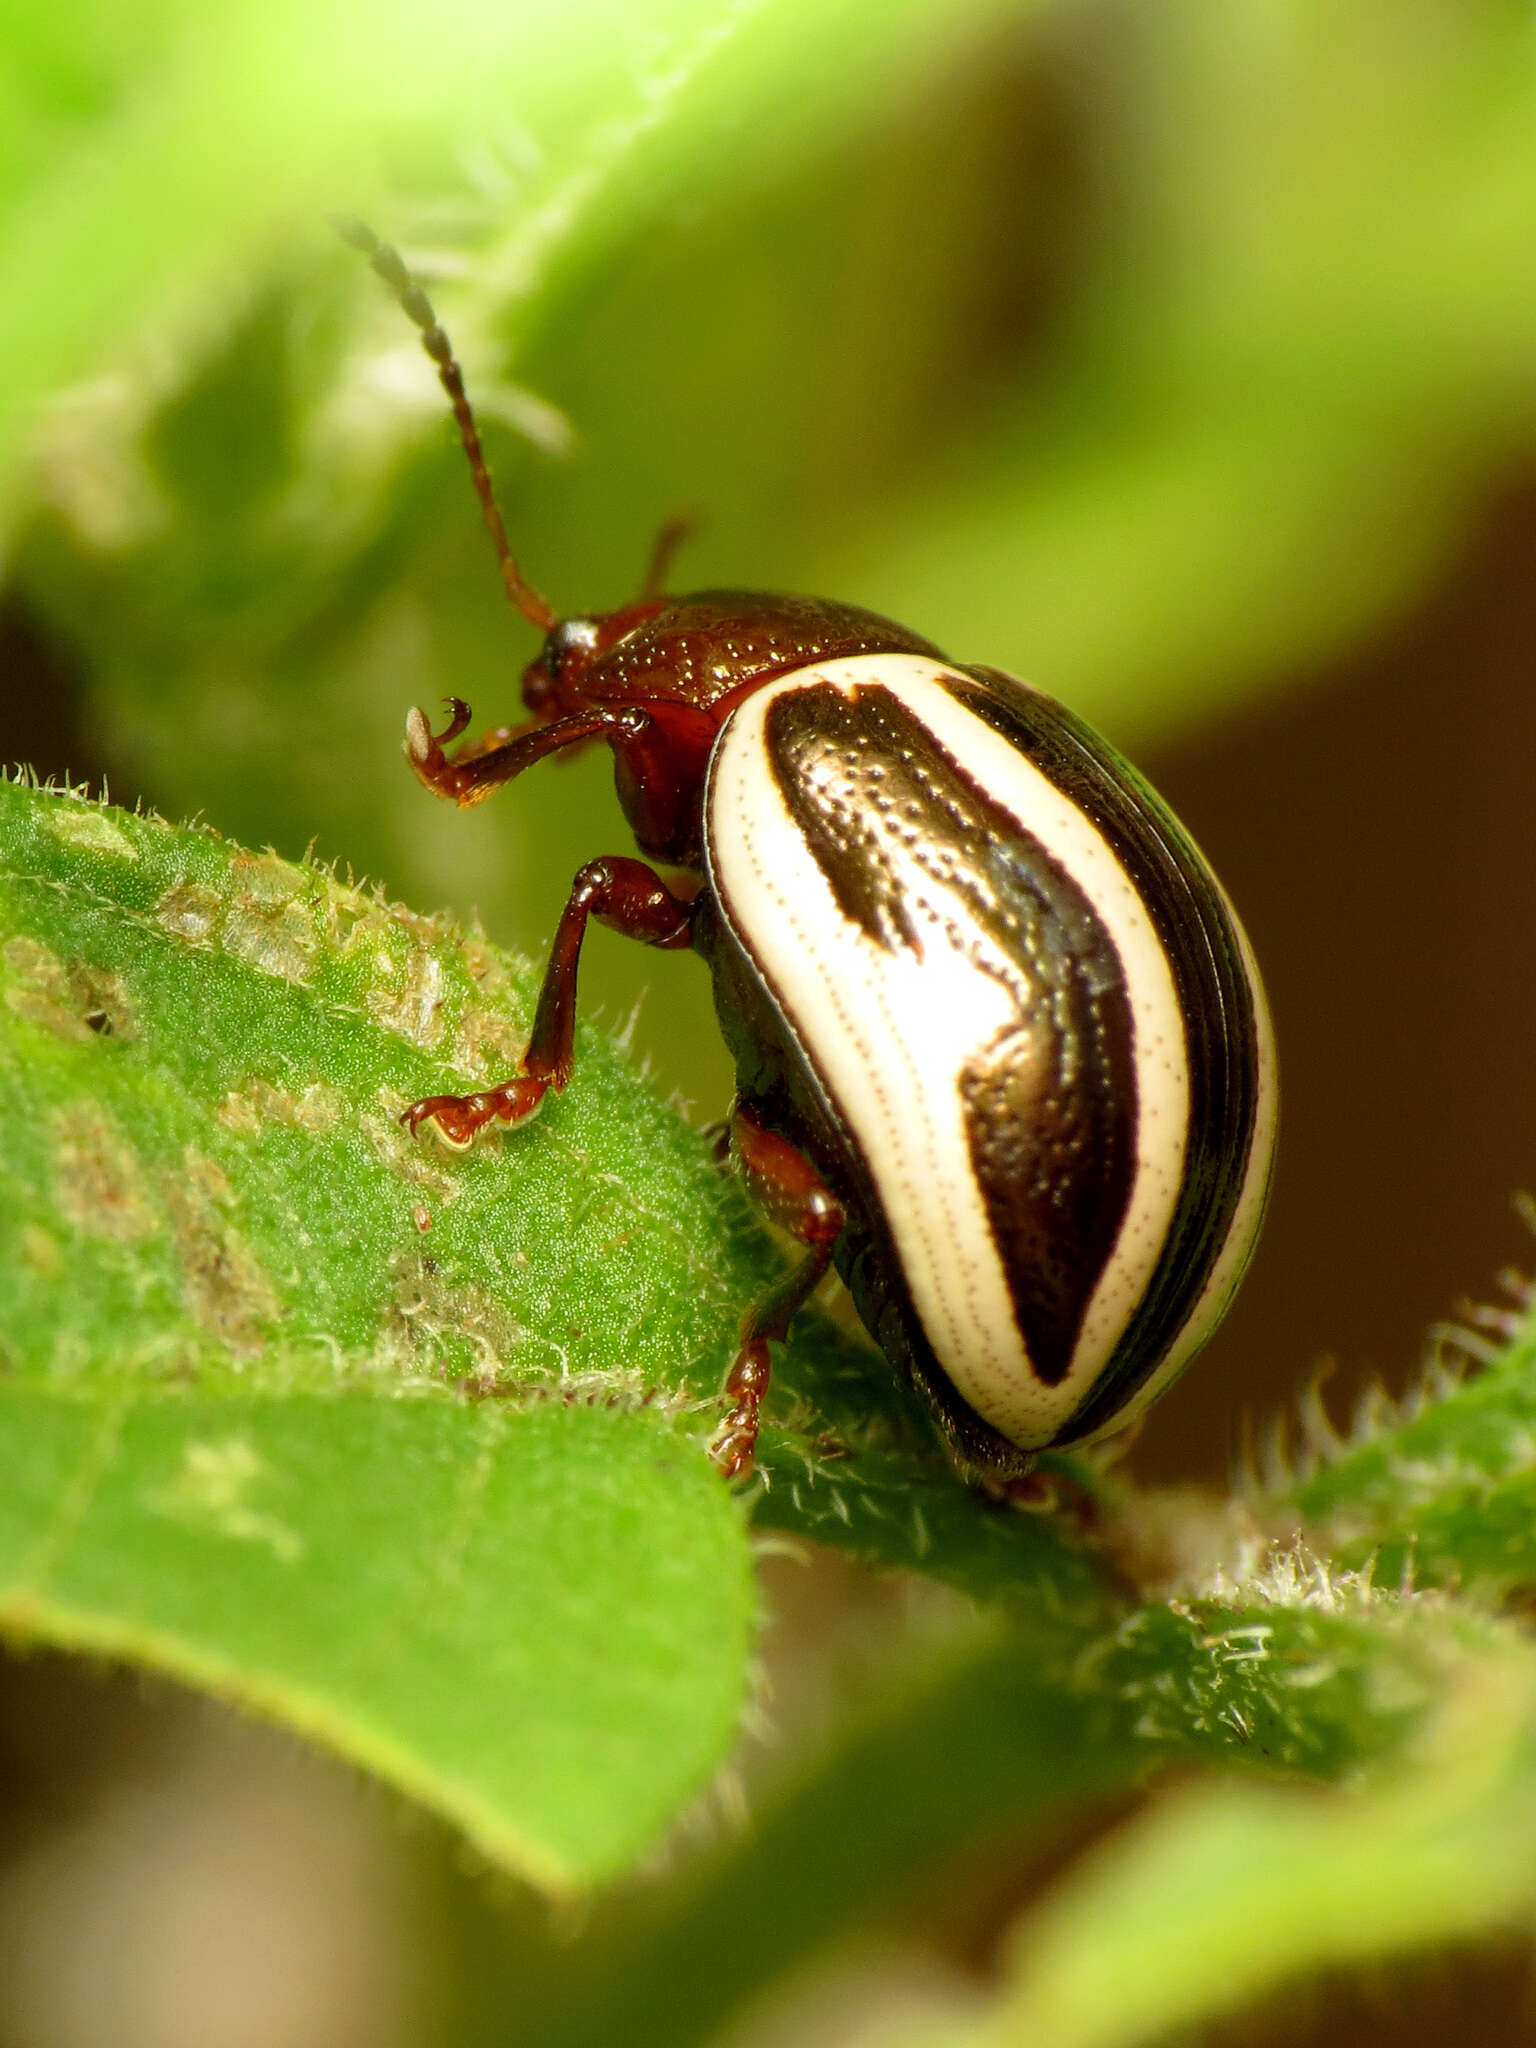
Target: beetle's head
x=556 y=682
x=552 y=680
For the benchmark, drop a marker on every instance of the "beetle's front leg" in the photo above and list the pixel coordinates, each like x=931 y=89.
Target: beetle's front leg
x=480 y=766
x=793 y=1195
x=623 y=894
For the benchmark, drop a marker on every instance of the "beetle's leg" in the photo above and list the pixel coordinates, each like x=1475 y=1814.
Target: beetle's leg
x=623 y=894
x=489 y=741
x=793 y=1195
x=470 y=778
x=495 y=737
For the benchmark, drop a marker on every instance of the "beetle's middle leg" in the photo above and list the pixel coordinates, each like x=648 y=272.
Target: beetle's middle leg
x=793 y=1195
x=629 y=898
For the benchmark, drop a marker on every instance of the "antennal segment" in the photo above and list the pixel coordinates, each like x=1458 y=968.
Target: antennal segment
x=388 y=265
x=667 y=543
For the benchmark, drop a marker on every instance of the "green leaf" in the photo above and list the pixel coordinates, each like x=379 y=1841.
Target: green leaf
x=1436 y=1489
x=295 y=1411
x=207 y=1052
x=983 y=1750
x=534 y=1622
x=1226 y=1893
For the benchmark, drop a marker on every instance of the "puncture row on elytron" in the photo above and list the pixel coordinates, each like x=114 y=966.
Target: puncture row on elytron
x=1002 y=1052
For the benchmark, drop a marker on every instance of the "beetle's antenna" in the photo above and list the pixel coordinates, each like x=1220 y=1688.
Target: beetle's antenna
x=668 y=541
x=388 y=265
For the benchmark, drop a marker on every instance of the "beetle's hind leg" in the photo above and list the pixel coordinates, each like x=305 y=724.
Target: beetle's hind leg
x=623 y=894
x=791 y=1194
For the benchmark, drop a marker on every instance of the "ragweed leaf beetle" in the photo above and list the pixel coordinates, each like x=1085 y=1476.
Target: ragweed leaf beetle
x=1003 y=1055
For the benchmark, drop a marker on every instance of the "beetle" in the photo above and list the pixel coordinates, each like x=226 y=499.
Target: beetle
x=1003 y=1055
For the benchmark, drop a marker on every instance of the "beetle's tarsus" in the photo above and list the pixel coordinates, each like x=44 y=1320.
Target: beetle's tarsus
x=746 y=1383
x=733 y=1452
x=424 y=749
x=458 y=1119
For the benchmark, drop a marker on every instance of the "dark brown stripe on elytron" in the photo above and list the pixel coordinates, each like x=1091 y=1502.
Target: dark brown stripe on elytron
x=915 y=851
x=1215 y=999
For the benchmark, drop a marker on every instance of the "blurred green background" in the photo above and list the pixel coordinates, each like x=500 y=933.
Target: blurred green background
x=1180 y=358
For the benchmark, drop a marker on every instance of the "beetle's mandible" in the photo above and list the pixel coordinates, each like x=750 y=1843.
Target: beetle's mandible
x=1003 y=1056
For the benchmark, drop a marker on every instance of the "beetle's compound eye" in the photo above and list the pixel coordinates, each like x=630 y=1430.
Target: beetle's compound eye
x=571 y=642
x=569 y=646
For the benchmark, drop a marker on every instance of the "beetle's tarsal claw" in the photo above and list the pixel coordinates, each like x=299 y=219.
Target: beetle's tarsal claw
x=458 y=1119
x=424 y=748
x=733 y=1452
x=452 y=1119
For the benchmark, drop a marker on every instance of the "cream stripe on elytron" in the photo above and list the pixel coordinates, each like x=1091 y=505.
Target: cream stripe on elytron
x=900 y=1031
